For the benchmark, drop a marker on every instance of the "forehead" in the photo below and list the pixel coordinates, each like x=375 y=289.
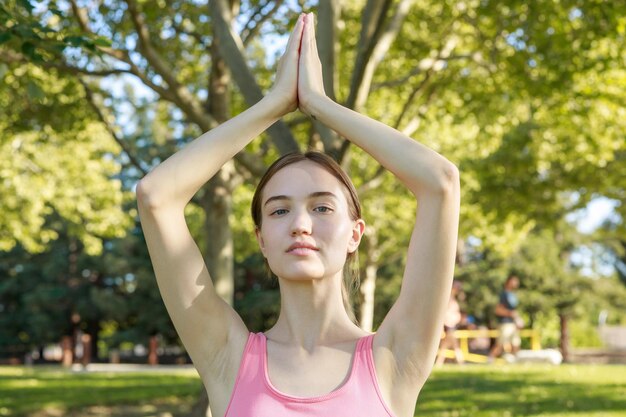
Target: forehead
x=300 y=179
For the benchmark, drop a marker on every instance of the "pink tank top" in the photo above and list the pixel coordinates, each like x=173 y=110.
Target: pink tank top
x=254 y=395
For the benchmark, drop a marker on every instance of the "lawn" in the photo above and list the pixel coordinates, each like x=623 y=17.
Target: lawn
x=525 y=390
x=452 y=391
x=24 y=390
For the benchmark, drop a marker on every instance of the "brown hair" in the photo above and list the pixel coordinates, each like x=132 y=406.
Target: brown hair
x=351 y=278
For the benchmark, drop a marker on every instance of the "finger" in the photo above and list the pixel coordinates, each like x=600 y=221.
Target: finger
x=306 y=35
x=296 y=35
x=311 y=33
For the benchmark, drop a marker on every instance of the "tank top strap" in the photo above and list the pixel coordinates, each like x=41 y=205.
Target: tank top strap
x=363 y=357
x=254 y=354
x=365 y=370
x=250 y=371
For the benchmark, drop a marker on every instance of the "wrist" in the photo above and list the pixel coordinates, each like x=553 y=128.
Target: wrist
x=274 y=105
x=316 y=106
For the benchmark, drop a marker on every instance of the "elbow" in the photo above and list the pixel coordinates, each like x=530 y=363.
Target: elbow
x=146 y=197
x=449 y=179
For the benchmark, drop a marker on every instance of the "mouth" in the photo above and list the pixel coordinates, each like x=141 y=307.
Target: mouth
x=302 y=248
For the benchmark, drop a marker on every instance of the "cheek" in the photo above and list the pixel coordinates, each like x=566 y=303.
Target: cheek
x=341 y=233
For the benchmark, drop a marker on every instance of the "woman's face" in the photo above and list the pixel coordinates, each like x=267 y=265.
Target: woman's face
x=305 y=205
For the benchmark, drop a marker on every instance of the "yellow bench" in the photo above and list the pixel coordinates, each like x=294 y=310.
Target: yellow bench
x=463 y=337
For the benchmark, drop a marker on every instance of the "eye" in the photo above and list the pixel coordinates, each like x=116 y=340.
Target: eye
x=323 y=209
x=278 y=212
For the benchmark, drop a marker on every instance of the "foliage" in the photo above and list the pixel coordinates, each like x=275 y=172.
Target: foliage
x=34 y=36
x=64 y=289
x=55 y=158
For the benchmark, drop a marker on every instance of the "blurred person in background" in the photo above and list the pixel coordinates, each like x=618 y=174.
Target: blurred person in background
x=451 y=322
x=509 y=321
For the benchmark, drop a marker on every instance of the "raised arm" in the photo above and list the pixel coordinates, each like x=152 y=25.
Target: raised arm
x=206 y=324
x=413 y=326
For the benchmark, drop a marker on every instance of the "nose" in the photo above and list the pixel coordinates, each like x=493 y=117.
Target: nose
x=301 y=223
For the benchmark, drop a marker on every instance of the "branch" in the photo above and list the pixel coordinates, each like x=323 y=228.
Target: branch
x=184 y=99
x=434 y=65
x=81 y=16
x=373 y=18
x=374 y=45
x=180 y=96
x=327 y=28
x=248 y=33
x=231 y=50
x=90 y=98
x=9 y=56
x=372 y=183
x=379 y=51
x=443 y=54
x=419 y=88
x=121 y=55
x=424 y=65
x=196 y=35
x=252 y=163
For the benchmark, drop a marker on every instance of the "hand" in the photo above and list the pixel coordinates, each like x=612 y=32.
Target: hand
x=285 y=89
x=310 y=80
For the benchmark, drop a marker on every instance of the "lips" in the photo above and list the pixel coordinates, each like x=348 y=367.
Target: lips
x=301 y=245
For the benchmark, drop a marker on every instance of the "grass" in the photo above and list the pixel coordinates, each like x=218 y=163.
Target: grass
x=525 y=390
x=452 y=391
x=25 y=390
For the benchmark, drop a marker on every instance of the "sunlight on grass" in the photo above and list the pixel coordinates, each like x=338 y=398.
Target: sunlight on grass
x=452 y=391
x=525 y=390
x=25 y=390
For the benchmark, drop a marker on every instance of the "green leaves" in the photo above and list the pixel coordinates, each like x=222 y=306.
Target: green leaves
x=41 y=38
x=54 y=162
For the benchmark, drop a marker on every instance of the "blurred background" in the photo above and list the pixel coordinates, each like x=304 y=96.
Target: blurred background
x=528 y=99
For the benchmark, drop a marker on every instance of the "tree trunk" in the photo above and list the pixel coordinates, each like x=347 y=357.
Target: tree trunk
x=67 y=357
x=368 y=284
x=153 y=357
x=217 y=203
x=564 y=336
x=93 y=329
x=85 y=340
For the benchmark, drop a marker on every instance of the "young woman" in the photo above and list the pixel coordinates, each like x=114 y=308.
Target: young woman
x=314 y=361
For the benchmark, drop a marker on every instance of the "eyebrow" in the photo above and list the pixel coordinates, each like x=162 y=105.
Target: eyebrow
x=312 y=195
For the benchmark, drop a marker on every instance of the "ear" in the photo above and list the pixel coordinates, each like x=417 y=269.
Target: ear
x=260 y=240
x=357 y=233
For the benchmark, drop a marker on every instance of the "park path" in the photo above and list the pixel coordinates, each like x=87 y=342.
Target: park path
x=127 y=367
x=154 y=409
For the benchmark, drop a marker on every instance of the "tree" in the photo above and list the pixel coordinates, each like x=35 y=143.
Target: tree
x=520 y=96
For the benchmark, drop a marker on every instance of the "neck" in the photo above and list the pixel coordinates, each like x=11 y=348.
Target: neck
x=312 y=313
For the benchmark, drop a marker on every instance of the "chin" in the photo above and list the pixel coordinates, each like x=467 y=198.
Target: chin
x=301 y=275
x=305 y=274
